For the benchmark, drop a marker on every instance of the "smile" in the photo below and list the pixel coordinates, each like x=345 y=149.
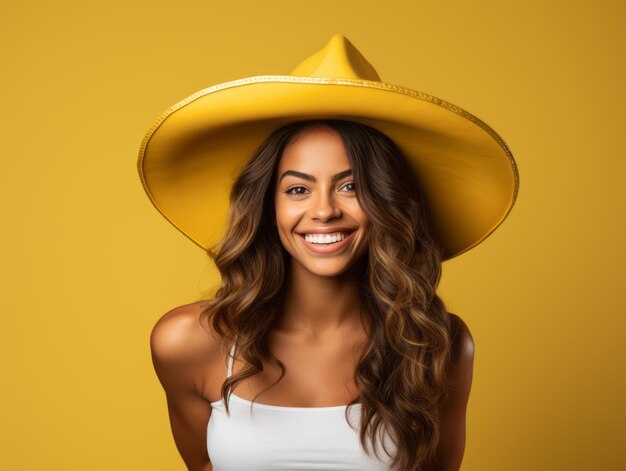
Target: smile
x=325 y=243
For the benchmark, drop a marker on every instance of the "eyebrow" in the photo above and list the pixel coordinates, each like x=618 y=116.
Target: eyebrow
x=311 y=178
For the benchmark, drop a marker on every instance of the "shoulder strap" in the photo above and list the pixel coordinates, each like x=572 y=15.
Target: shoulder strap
x=231 y=358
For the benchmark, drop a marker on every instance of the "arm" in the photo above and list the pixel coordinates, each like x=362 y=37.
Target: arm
x=453 y=411
x=175 y=345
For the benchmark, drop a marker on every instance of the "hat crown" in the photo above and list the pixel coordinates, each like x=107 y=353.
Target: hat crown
x=338 y=59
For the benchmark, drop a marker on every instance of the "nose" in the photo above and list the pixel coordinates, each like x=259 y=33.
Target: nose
x=324 y=206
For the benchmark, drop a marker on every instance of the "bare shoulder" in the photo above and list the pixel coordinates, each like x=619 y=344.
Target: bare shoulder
x=451 y=446
x=462 y=358
x=179 y=337
x=462 y=340
x=182 y=352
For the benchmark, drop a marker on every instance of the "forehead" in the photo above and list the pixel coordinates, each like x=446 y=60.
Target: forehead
x=317 y=151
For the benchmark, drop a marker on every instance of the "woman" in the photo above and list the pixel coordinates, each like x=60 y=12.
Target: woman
x=355 y=358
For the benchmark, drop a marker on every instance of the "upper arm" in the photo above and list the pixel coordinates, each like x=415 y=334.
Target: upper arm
x=176 y=346
x=451 y=446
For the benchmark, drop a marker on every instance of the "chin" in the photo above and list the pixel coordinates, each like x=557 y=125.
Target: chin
x=329 y=270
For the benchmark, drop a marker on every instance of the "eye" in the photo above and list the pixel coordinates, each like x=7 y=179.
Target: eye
x=348 y=184
x=290 y=192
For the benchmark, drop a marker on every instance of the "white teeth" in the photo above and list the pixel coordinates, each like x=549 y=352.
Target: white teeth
x=324 y=238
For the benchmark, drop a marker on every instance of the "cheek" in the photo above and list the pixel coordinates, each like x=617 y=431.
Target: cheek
x=360 y=216
x=287 y=214
x=285 y=222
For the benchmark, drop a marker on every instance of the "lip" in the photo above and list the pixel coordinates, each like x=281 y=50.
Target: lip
x=324 y=249
x=328 y=230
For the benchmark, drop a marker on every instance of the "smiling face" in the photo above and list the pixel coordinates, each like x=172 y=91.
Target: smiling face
x=315 y=194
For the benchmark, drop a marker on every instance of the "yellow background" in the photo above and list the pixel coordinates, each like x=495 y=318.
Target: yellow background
x=88 y=265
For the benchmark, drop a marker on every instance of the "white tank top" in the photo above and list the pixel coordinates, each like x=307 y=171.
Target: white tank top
x=272 y=438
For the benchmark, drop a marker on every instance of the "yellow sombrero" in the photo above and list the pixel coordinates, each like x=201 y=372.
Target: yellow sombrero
x=191 y=154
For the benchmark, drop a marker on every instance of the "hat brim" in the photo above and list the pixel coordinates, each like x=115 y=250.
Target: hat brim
x=191 y=154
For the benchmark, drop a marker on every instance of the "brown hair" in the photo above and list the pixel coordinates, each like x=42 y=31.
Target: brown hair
x=401 y=376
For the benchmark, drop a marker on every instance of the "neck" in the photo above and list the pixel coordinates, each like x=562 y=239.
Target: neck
x=319 y=307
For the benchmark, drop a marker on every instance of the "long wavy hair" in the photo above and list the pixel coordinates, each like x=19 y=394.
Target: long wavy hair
x=401 y=376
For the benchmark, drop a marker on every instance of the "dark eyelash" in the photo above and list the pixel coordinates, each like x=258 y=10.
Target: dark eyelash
x=293 y=187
